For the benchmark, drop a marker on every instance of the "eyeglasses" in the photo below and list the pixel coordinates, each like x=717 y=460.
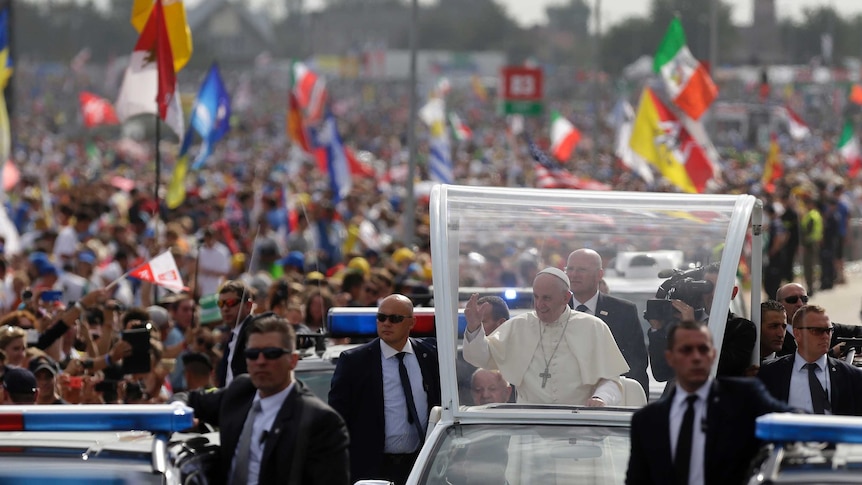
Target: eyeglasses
x=793 y=299
x=382 y=317
x=229 y=303
x=817 y=330
x=269 y=353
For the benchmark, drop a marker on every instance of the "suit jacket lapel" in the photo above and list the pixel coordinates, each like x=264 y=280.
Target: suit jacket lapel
x=662 y=437
x=375 y=358
x=837 y=384
x=233 y=429
x=284 y=424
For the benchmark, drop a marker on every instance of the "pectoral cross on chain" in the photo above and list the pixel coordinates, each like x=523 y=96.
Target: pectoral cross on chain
x=545 y=376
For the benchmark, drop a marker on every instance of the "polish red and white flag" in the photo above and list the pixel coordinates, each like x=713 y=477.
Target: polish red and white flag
x=162 y=271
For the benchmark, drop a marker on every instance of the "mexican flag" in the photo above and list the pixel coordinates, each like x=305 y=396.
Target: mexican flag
x=848 y=145
x=564 y=137
x=665 y=141
x=460 y=131
x=687 y=82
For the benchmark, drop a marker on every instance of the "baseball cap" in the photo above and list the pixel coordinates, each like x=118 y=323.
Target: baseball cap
x=18 y=380
x=295 y=259
x=158 y=315
x=44 y=363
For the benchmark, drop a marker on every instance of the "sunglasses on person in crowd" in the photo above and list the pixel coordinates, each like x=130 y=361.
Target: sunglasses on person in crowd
x=793 y=299
x=819 y=331
x=228 y=302
x=382 y=317
x=269 y=353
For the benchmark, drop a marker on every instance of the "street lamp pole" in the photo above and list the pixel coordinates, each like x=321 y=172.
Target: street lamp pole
x=410 y=204
x=597 y=67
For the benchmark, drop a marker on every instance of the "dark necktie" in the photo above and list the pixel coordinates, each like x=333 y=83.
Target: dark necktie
x=682 y=460
x=243 y=447
x=818 y=395
x=583 y=308
x=223 y=364
x=412 y=415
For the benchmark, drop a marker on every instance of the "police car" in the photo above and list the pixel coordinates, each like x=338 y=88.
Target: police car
x=95 y=444
x=804 y=448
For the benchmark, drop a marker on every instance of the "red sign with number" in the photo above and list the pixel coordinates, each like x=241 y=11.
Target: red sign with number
x=522 y=83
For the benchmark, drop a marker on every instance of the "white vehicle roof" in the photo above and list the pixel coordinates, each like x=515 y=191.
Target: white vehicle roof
x=548 y=224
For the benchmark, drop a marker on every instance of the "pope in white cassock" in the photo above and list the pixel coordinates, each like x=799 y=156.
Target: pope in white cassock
x=552 y=355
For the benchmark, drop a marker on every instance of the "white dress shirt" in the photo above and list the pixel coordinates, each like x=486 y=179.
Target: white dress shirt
x=800 y=393
x=698 y=438
x=400 y=435
x=269 y=408
x=591 y=304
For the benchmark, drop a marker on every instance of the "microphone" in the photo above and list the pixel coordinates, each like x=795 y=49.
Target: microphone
x=666 y=273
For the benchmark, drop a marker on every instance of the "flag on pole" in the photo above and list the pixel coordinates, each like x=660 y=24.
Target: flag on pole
x=337 y=163
x=687 y=82
x=856 y=94
x=625 y=115
x=773 y=169
x=478 y=88
x=460 y=131
x=296 y=130
x=211 y=114
x=310 y=91
x=661 y=139
x=797 y=128
x=179 y=33
x=564 y=137
x=161 y=271
x=96 y=110
x=5 y=75
x=439 y=157
x=848 y=146
x=150 y=83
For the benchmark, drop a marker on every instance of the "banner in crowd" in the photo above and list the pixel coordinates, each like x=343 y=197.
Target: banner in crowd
x=161 y=271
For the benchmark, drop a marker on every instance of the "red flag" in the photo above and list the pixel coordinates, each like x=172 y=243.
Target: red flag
x=295 y=126
x=161 y=270
x=154 y=40
x=97 y=110
x=357 y=167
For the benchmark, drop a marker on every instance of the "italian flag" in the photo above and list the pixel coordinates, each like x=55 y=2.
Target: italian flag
x=460 y=131
x=848 y=145
x=564 y=137
x=686 y=80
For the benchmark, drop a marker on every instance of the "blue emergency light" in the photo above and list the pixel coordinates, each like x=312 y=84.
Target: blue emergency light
x=362 y=322
x=778 y=427
x=99 y=417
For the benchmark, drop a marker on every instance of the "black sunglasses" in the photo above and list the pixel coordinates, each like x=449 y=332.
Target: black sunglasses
x=793 y=299
x=817 y=330
x=382 y=317
x=269 y=353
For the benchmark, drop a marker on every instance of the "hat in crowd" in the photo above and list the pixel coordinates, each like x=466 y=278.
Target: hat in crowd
x=294 y=259
x=86 y=257
x=209 y=311
x=18 y=380
x=47 y=270
x=44 y=363
x=158 y=315
x=558 y=273
x=360 y=264
x=197 y=358
x=402 y=255
x=315 y=276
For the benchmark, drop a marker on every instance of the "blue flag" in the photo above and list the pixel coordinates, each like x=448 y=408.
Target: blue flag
x=210 y=116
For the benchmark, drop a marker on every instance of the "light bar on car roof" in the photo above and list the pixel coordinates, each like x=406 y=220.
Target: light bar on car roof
x=362 y=322
x=778 y=427
x=101 y=417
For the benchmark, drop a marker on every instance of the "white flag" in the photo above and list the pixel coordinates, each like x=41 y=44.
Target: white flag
x=162 y=271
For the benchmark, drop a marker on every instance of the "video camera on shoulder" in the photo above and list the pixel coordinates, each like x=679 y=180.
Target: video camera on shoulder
x=686 y=285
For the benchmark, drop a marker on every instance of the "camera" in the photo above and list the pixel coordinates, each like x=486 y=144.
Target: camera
x=688 y=286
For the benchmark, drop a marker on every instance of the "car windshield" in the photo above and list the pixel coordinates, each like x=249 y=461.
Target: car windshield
x=528 y=454
x=493 y=242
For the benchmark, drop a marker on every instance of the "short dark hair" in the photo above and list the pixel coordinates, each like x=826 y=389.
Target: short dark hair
x=771 y=306
x=799 y=316
x=685 y=325
x=499 y=308
x=135 y=313
x=352 y=279
x=239 y=287
x=270 y=322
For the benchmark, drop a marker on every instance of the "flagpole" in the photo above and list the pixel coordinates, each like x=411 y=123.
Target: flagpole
x=410 y=203
x=159 y=33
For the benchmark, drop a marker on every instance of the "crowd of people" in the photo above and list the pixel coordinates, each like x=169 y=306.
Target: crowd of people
x=261 y=236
